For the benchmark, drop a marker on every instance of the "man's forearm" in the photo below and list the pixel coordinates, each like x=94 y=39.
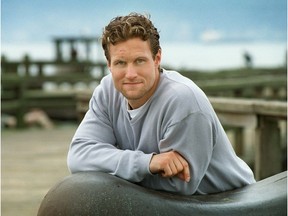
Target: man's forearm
x=85 y=155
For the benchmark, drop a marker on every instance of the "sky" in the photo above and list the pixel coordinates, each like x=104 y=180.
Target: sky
x=197 y=25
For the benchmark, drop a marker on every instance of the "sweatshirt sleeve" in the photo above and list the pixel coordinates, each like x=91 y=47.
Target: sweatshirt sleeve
x=193 y=139
x=93 y=147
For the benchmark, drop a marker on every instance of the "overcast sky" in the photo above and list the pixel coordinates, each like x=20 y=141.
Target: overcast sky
x=178 y=20
x=207 y=34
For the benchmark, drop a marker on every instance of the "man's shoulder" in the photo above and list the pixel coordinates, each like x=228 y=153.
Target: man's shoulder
x=181 y=92
x=107 y=79
x=106 y=83
x=106 y=88
x=178 y=79
x=178 y=85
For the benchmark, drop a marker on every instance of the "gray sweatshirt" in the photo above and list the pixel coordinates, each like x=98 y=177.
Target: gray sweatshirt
x=177 y=117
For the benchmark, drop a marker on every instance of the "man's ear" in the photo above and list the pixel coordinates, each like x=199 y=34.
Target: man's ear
x=158 y=57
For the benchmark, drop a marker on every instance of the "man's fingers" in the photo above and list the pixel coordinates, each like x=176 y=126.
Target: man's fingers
x=185 y=171
x=170 y=164
x=167 y=172
x=170 y=170
x=177 y=166
x=181 y=176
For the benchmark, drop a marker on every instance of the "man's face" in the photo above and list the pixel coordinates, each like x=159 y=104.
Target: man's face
x=135 y=73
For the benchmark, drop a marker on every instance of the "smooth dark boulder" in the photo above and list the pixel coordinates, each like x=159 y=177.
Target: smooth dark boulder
x=95 y=193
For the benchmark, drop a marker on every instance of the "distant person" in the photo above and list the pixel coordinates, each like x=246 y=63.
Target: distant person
x=248 y=60
x=73 y=54
x=152 y=126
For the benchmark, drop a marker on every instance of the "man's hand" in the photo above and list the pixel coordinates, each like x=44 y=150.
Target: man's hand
x=170 y=164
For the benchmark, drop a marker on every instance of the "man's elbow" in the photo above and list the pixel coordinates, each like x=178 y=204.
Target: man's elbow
x=73 y=163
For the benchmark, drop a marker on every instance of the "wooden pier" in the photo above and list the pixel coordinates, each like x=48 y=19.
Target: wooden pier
x=244 y=99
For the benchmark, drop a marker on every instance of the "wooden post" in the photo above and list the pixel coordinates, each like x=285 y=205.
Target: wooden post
x=27 y=62
x=73 y=50
x=59 y=56
x=22 y=102
x=40 y=69
x=88 y=49
x=268 y=150
x=239 y=140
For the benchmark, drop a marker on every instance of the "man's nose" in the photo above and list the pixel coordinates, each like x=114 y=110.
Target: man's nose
x=131 y=72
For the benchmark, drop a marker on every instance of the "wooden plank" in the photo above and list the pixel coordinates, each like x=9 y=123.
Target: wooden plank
x=271 y=108
x=250 y=106
x=238 y=120
x=242 y=83
x=232 y=105
x=237 y=73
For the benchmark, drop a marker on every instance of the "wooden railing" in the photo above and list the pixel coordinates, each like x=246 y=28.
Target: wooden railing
x=23 y=84
x=237 y=114
x=21 y=94
x=268 y=84
x=22 y=88
x=264 y=117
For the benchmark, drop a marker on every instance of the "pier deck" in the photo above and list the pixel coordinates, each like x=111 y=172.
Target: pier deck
x=33 y=160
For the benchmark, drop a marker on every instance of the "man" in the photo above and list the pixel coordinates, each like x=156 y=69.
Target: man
x=152 y=126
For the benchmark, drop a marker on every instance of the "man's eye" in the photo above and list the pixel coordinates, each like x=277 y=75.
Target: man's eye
x=140 y=61
x=119 y=63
